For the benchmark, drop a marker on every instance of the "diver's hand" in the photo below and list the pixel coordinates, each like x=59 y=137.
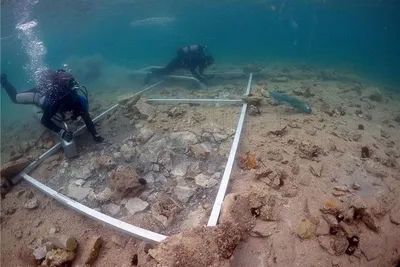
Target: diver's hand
x=97 y=138
x=203 y=85
x=66 y=135
x=3 y=78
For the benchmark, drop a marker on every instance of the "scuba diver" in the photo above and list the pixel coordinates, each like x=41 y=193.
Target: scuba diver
x=194 y=58
x=55 y=94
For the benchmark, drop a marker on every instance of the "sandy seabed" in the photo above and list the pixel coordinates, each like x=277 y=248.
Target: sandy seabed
x=296 y=175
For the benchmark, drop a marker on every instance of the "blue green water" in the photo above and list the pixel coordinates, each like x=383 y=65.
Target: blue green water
x=364 y=35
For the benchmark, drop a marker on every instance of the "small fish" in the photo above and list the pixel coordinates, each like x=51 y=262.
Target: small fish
x=153 y=21
x=292 y=101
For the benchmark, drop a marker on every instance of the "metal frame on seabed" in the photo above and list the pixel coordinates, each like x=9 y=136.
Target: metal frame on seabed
x=118 y=224
x=194 y=101
x=226 y=73
x=145 y=71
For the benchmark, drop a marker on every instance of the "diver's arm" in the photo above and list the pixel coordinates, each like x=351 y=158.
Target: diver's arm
x=89 y=123
x=80 y=108
x=201 y=70
x=47 y=122
x=197 y=75
x=91 y=128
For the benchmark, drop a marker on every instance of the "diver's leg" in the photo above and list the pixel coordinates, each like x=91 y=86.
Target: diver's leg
x=10 y=89
x=173 y=65
x=27 y=97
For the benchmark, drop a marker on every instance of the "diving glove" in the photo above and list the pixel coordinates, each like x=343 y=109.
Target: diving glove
x=97 y=138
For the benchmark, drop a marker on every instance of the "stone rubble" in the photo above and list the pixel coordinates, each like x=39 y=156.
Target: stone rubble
x=316 y=169
x=62 y=241
x=119 y=241
x=180 y=169
x=205 y=181
x=92 y=250
x=146 y=110
x=176 y=112
x=128 y=151
x=83 y=173
x=105 y=161
x=263 y=229
x=274 y=155
x=58 y=258
x=326 y=243
x=54 y=230
x=77 y=192
x=125 y=180
x=219 y=138
x=165 y=209
x=208 y=137
x=306 y=229
x=41 y=252
x=340 y=244
x=341 y=188
x=322 y=228
x=385 y=133
x=135 y=205
x=80 y=182
x=356 y=186
x=111 y=209
x=195 y=218
x=182 y=140
x=184 y=193
x=200 y=151
x=145 y=134
x=309 y=150
x=395 y=214
x=32 y=204
x=12 y=168
x=104 y=196
x=372 y=245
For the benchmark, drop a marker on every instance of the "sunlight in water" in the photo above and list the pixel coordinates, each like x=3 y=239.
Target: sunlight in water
x=32 y=44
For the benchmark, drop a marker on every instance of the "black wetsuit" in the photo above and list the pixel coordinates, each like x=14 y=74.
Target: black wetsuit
x=54 y=95
x=72 y=102
x=191 y=57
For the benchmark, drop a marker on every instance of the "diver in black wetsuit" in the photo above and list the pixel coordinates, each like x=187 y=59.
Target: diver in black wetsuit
x=55 y=94
x=194 y=58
